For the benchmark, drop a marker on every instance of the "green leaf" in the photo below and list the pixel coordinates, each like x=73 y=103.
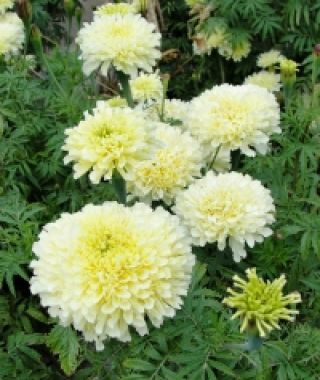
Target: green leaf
x=63 y=341
x=138 y=365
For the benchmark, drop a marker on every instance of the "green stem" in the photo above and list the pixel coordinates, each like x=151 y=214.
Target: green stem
x=165 y=85
x=214 y=157
x=125 y=87
x=314 y=77
x=53 y=77
x=119 y=186
x=254 y=342
x=69 y=26
x=222 y=72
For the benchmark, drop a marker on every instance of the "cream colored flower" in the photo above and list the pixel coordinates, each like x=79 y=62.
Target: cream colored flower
x=217 y=37
x=147 y=87
x=111 y=138
x=5 y=5
x=11 y=34
x=176 y=164
x=176 y=110
x=117 y=101
x=261 y=305
x=269 y=59
x=235 y=117
x=228 y=208
x=115 y=8
x=110 y=267
x=128 y=42
x=265 y=79
x=240 y=50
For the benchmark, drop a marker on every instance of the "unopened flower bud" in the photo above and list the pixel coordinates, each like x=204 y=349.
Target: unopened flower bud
x=24 y=10
x=288 y=70
x=316 y=50
x=78 y=14
x=36 y=40
x=69 y=7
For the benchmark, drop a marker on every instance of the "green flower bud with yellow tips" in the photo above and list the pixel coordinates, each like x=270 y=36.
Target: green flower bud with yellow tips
x=261 y=304
x=288 y=70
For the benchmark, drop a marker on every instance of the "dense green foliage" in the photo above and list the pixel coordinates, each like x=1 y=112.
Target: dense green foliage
x=201 y=341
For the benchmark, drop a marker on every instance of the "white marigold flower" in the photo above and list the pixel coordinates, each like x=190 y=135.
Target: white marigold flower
x=5 y=5
x=176 y=109
x=115 y=8
x=11 y=34
x=146 y=87
x=110 y=267
x=175 y=164
x=228 y=208
x=269 y=59
x=265 y=79
x=128 y=42
x=217 y=37
x=235 y=117
x=111 y=138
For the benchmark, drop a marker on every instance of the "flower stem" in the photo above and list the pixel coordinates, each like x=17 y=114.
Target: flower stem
x=254 y=342
x=119 y=185
x=125 y=87
x=214 y=157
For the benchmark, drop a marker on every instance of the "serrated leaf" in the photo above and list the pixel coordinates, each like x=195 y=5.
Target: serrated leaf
x=63 y=341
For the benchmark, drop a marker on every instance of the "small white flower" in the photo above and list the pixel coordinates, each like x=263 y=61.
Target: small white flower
x=228 y=208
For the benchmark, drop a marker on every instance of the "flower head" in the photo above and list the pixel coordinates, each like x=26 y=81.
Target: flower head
x=240 y=50
x=174 y=166
x=235 y=117
x=5 y=5
x=229 y=207
x=261 y=305
x=217 y=37
x=110 y=267
x=146 y=87
x=128 y=42
x=269 y=59
x=288 y=67
x=176 y=110
x=11 y=34
x=117 y=101
x=265 y=79
x=115 y=8
x=111 y=138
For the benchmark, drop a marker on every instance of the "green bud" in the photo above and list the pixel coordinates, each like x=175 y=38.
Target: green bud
x=24 y=10
x=36 y=40
x=78 y=14
x=288 y=70
x=69 y=7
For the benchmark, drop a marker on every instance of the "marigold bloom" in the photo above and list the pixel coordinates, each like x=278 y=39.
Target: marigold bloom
x=111 y=138
x=226 y=208
x=110 y=267
x=261 y=305
x=217 y=37
x=235 y=117
x=11 y=34
x=175 y=164
x=128 y=42
x=5 y=5
x=240 y=50
x=146 y=87
x=265 y=79
x=269 y=59
x=115 y=8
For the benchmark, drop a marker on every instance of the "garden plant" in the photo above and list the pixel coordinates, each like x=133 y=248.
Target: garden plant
x=159 y=190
